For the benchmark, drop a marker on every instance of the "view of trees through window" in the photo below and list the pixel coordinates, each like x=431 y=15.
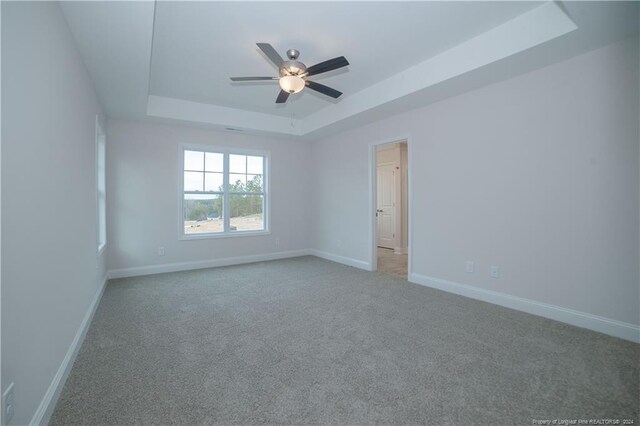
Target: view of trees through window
x=205 y=195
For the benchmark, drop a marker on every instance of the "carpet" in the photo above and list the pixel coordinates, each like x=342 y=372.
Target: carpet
x=308 y=341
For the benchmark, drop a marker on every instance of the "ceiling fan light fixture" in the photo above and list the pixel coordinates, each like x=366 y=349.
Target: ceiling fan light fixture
x=293 y=74
x=291 y=83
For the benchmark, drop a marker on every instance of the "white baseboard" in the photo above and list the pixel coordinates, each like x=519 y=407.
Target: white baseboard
x=201 y=264
x=48 y=403
x=600 y=324
x=360 y=264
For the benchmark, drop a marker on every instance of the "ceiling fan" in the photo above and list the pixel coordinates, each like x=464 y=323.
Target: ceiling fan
x=293 y=74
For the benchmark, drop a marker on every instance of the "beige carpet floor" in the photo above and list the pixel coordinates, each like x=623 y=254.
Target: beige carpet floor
x=307 y=341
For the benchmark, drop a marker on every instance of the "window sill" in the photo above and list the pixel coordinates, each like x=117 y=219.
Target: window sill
x=235 y=234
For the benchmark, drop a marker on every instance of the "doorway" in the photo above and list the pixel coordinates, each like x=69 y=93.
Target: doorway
x=391 y=208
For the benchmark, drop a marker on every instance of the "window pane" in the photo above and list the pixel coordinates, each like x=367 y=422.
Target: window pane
x=101 y=187
x=254 y=165
x=102 y=223
x=254 y=183
x=214 y=162
x=213 y=182
x=193 y=160
x=237 y=183
x=202 y=214
x=246 y=212
x=193 y=181
x=237 y=163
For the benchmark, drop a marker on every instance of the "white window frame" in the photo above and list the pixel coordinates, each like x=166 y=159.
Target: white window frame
x=101 y=187
x=226 y=151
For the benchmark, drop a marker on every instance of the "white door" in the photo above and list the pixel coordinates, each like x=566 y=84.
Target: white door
x=386 y=209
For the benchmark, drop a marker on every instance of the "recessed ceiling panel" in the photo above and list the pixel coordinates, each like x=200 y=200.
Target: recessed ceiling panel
x=197 y=46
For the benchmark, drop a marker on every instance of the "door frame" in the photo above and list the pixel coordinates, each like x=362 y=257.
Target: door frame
x=373 y=202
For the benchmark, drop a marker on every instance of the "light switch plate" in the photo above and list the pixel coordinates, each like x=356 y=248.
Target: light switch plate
x=495 y=272
x=470 y=266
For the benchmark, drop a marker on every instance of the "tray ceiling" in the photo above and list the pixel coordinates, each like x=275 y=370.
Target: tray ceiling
x=171 y=61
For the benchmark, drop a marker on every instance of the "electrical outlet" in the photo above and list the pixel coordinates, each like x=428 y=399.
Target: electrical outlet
x=160 y=251
x=8 y=404
x=495 y=272
x=470 y=266
x=277 y=241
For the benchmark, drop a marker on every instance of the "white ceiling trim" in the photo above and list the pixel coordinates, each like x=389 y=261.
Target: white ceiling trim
x=530 y=29
x=178 y=109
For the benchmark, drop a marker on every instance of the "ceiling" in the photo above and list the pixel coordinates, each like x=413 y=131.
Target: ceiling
x=192 y=61
x=171 y=61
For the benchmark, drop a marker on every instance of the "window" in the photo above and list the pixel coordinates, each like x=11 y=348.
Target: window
x=223 y=192
x=101 y=186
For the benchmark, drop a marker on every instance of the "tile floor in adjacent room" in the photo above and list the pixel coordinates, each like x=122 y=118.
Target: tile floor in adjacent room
x=392 y=263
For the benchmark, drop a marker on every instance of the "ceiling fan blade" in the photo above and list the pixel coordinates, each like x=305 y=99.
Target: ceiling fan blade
x=271 y=53
x=282 y=97
x=252 y=78
x=330 y=65
x=325 y=90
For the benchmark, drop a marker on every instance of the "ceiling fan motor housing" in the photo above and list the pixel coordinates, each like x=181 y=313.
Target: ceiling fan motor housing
x=292 y=68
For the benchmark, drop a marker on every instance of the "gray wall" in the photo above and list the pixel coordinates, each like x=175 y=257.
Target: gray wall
x=143 y=184
x=537 y=175
x=50 y=267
